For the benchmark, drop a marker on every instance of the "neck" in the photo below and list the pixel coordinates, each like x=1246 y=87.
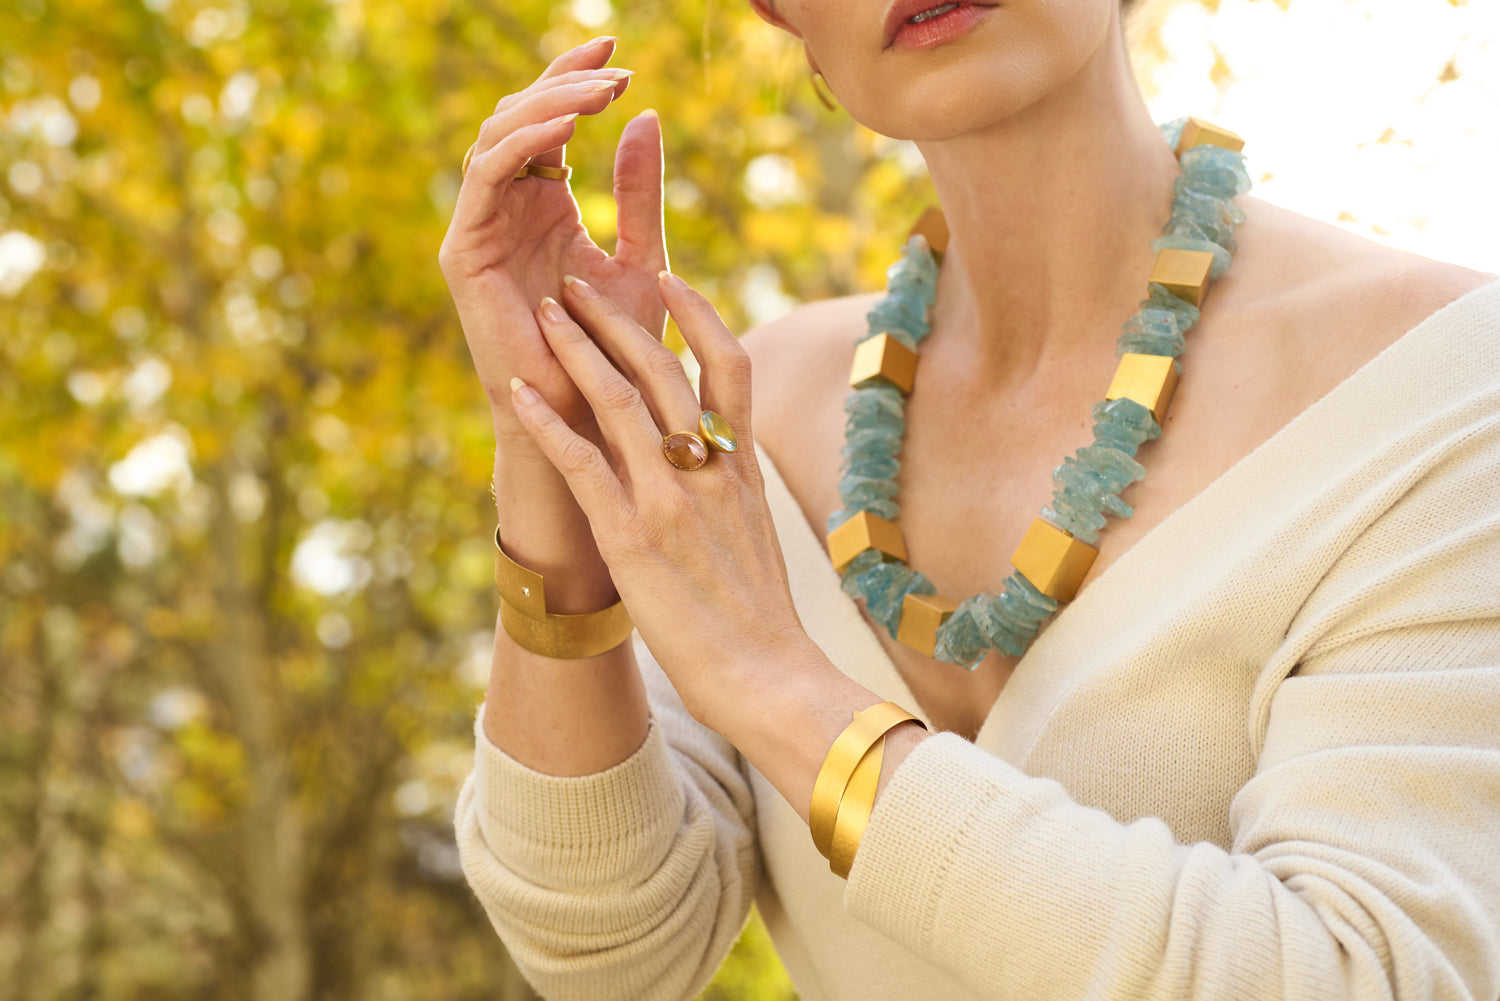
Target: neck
x=1050 y=214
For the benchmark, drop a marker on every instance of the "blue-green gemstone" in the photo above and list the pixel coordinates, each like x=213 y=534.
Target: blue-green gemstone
x=1172 y=131
x=897 y=316
x=1160 y=297
x=1123 y=424
x=886 y=586
x=1078 y=518
x=1219 y=183
x=1075 y=482
x=1151 y=332
x=870 y=442
x=876 y=467
x=838 y=517
x=860 y=564
x=1112 y=467
x=960 y=640
x=1026 y=590
x=870 y=402
x=1220 y=233
x=858 y=491
x=1189 y=204
x=1207 y=158
x=1221 y=256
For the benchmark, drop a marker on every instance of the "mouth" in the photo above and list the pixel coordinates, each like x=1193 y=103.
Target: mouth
x=905 y=14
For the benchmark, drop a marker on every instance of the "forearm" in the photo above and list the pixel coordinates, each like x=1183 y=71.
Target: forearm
x=785 y=716
x=559 y=717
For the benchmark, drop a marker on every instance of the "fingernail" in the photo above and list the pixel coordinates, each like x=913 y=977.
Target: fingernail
x=563 y=118
x=552 y=311
x=612 y=73
x=579 y=287
x=595 y=86
x=523 y=392
x=670 y=280
x=649 y=112
x=601 y=40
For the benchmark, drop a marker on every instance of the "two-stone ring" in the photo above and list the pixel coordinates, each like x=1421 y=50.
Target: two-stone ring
x=527 y=170
x=689 y=449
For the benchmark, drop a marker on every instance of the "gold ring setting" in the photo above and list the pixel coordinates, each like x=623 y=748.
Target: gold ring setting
x=527 y=170
x=690 y=449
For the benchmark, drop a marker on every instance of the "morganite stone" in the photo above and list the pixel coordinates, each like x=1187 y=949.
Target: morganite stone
x=718 y=432
x=685 y=450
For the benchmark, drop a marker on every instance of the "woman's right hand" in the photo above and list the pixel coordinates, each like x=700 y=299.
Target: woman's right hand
x=511 y=241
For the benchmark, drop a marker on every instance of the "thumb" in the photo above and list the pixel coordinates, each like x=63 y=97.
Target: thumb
x=641 y=242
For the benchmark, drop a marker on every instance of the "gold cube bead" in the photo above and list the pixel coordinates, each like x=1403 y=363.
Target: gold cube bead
x=934 y=226
x=1149 y=380
x=882 y=358
x=921 y=615
x=1053 y=560
x=1197 y=132
x=865 y=531
x=1183 y=272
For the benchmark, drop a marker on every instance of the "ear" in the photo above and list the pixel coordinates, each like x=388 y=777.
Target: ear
x=767 y=11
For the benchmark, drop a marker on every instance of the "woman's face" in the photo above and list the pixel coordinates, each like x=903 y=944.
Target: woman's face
x=993 y=59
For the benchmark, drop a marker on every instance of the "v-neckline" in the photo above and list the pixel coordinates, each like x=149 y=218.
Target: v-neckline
x=884 y=669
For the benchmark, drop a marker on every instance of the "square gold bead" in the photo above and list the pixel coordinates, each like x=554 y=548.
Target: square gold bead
x=1183 y=272
x=1053 y=560
x=921 y=615
x=1149 y=380
x=882 y=358
x=865 y=531
x=934 y=226
x=1197 y=132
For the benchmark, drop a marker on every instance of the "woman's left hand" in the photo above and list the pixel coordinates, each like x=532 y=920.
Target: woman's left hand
x=694 y=554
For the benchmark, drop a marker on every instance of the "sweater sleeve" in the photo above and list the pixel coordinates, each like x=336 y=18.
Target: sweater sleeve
x=631 y=883
x=1364 y=860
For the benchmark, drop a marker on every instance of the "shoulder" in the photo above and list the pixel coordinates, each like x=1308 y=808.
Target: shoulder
x=796 y=357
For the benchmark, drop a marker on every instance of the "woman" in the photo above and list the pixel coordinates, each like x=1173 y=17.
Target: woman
x=1254 y=757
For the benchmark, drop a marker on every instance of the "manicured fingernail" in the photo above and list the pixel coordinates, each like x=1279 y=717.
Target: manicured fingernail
x=601 y=40
x=648 y=113
x=563 y=118
x=612 y=73
x=595 y=86
x=552 y=311
x=670 y=280
x=579 y=287
x=523 y=392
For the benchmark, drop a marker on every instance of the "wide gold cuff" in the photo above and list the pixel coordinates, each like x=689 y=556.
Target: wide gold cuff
x=855 y=809
x=524 y=616
x=839 y=766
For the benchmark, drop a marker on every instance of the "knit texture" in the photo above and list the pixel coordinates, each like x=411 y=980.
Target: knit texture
x=1258 y=757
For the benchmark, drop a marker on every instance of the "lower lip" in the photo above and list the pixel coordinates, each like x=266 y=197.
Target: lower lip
x=940 y=29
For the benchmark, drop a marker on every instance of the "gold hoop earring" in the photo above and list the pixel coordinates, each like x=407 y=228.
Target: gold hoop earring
x=819 y=86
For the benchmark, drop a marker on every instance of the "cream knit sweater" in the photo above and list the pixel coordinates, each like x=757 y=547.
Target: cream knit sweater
x=1258 y=757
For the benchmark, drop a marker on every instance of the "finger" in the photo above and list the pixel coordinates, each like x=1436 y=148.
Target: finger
x=587 y=96
x=649 y=365
x=620 y=77
x=724 y=379
x=587 y=472
x=590 y=55
x=619 y=407
x=491 y=172
x=638 y=194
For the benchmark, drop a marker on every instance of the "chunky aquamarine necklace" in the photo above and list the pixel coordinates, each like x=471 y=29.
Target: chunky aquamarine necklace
x=865 y=543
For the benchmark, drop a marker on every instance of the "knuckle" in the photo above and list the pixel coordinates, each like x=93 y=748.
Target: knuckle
x=619 y=395
x=579 y=456
x=734 y=368
x=661 y=363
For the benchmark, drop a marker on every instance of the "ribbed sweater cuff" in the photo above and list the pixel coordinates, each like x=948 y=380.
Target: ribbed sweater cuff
x=577 y=832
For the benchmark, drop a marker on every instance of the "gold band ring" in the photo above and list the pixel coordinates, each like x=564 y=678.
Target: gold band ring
x=689 y=449
x=550 y=173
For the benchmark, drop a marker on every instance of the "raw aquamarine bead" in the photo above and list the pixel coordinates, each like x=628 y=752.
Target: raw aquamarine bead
x=1219 y=183
x=1191 y=204
x=1162 y=298
x=1172 y=131
x=1110 y=466
x=1217 y=232
x=1151 y=332
x=860 y=564
x=885 y=586
x=1208 y=158
x=1074 y=515
x=877 y=467
x=960 y=640
x=1075 y=481
x=870 y=442
x=837 y=518
x=869 y=403
x=908 y=277
x=1221 y=256
x=901 y=317
x=1123 y=424
x=858 y=491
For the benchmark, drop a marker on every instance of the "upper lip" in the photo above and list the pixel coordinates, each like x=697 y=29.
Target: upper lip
x=904 y=10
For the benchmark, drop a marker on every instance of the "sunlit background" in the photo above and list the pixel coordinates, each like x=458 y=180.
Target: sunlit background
x=246 y=608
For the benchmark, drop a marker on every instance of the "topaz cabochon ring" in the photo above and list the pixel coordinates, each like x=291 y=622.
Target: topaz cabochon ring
x=689 y=449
